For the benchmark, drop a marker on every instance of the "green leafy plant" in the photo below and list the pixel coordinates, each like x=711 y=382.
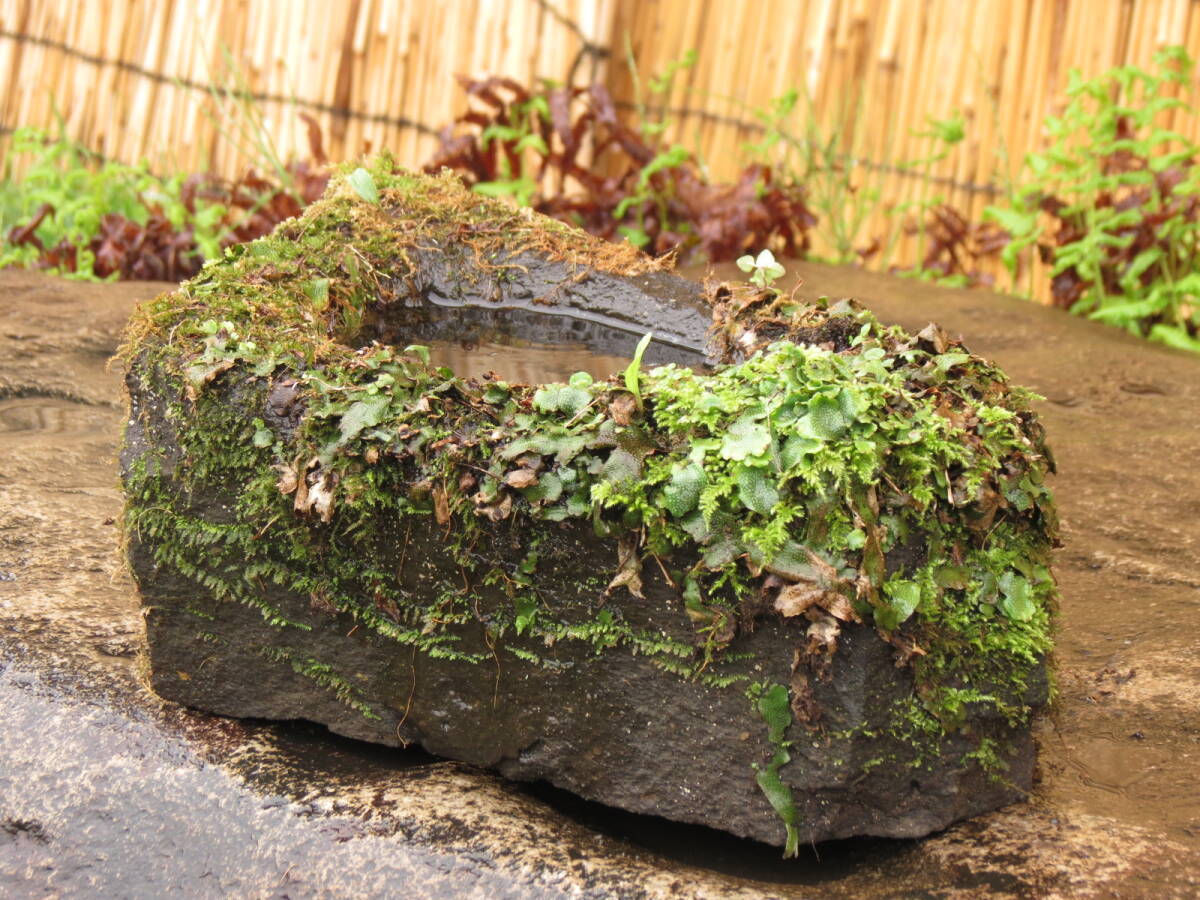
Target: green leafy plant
x=520 y=127
x=569 y=153
x=653 y=196
x=827 y=156
x=942 y=136
x=633 y=371
x=364 y=185
x=1113 y=205
x=73 y=212
x=763 y=268
x=772 y=702
x=823 y=157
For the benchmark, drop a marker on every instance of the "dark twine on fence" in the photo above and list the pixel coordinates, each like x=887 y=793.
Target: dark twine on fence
x=345 y=113
x=340 y=112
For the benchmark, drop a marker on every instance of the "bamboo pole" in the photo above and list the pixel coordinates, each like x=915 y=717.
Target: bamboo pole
x=1190 y=124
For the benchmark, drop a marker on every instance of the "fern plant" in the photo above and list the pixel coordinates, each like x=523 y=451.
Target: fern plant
x=1113 y=205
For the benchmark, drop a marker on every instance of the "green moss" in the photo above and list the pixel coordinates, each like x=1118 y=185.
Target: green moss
x=324 y=675
x=987 y=755
x=854 y=470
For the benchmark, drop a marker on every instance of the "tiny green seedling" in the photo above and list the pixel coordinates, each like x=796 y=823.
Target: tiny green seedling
x=364 y=185
x=765 y=270
x=634 y=370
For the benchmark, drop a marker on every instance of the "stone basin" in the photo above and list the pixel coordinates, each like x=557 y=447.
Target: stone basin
x=838 y=627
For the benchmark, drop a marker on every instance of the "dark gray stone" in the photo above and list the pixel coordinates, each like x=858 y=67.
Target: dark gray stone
x=611 y=727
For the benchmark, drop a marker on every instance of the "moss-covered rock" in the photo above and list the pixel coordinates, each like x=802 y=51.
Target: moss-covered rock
x=801 y=594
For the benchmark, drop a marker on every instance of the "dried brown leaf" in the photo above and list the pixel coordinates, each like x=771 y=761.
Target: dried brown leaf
x=822 y=636
x=300 y=501
x=905 y=646
x=935 y=336
x=315 y=492
x=494 y=509
x=629 y=568
x=441 y=505
x=795 y=599
x=839 y=607
x=288 y=479
x=622 y=408
x=531 y=461
x=521 y=478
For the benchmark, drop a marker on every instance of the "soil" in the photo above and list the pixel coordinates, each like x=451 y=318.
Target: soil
x=105 y=789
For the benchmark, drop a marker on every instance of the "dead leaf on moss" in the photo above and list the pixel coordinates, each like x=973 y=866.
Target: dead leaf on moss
x=935 y=337
x=629 y=568
x=317 y=497
x=839 y=607
x=531 y=461
x=795 y=599
x=288 y=479
x=320 y=496
x=521 y=478
x=823 y=635
x=200 y=374
x=314 y=488
x=818 y=596
x=300 y=501
x=441 y=505
x=988 y=502
x=622 y=407
x=821 y=643
x=497 y=511
x=905 y=646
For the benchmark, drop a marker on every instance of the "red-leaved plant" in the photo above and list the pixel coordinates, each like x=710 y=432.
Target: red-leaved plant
x=567 y=152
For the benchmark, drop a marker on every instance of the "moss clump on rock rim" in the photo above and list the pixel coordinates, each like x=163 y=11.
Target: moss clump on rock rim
x=832 y=471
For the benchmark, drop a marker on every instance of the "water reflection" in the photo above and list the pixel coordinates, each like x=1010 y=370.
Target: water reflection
x=526 y=362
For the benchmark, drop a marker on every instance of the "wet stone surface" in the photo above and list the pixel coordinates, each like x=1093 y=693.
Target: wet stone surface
x=1116 y=813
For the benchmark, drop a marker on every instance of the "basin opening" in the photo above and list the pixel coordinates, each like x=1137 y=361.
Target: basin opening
x=518 y=345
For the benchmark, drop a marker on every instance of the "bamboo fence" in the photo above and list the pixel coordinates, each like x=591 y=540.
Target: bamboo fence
x=199 y=84
x=181 y=84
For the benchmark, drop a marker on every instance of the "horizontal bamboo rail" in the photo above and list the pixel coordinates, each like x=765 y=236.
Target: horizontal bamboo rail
x=151 y=79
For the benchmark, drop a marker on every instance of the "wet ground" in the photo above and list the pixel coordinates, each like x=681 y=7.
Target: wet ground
x=105 y=790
